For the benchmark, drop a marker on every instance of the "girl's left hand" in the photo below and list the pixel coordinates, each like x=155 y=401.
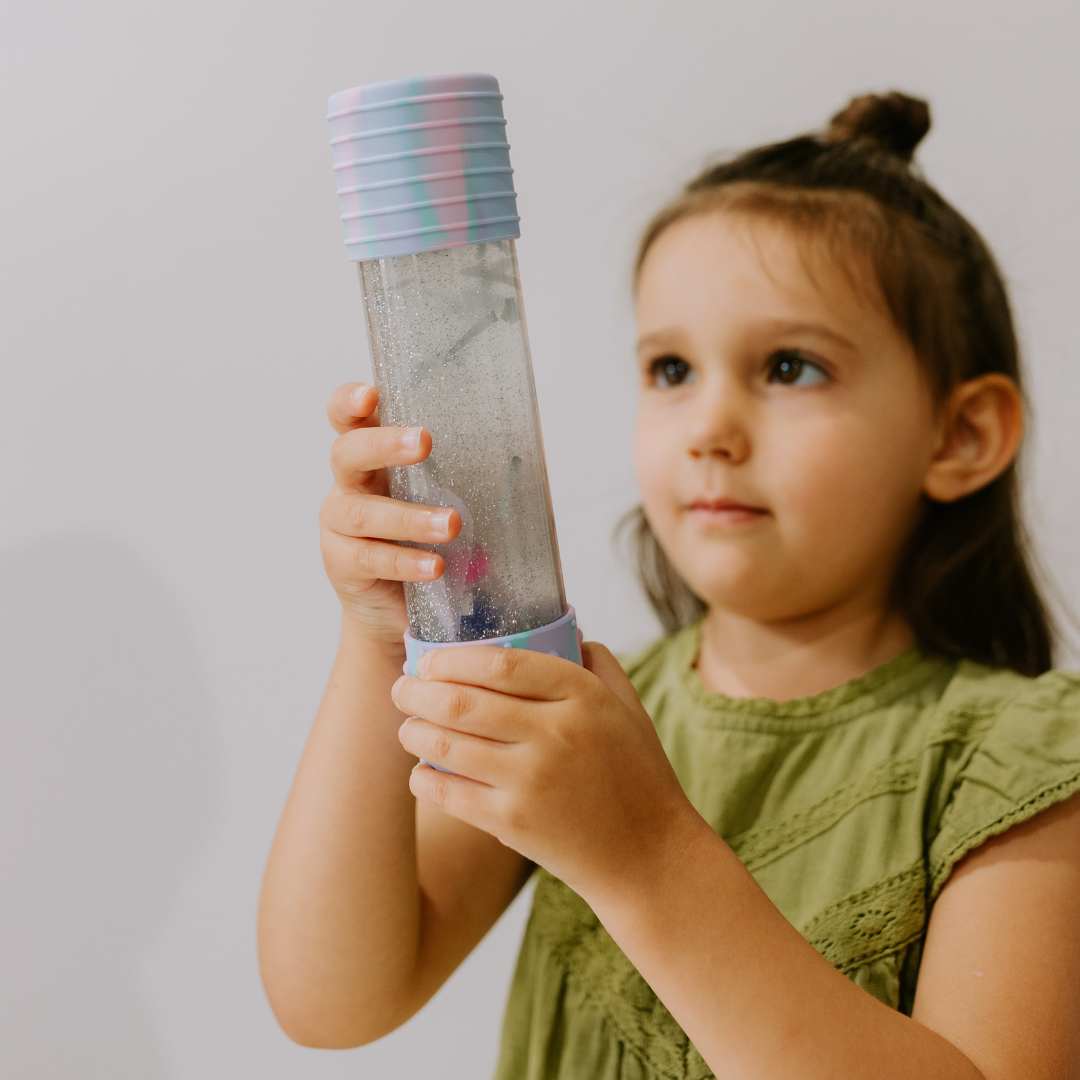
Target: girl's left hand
x=559 y=762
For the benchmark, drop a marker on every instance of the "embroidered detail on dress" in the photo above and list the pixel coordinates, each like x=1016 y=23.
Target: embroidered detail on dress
x=611 y=984
x=872 y=923
x=763 y=843
x=875 y=925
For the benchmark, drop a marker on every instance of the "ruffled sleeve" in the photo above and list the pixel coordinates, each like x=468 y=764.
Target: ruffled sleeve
x=1025 y=758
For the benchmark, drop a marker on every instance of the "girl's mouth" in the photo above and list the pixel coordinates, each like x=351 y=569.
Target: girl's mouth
x=724 y=512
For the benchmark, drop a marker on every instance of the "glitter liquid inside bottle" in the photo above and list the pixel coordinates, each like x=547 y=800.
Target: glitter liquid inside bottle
x=431 y=217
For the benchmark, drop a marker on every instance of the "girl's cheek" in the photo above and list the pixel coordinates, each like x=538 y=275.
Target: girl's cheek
x=654 y=456
x=842 y=491
x=644 y=429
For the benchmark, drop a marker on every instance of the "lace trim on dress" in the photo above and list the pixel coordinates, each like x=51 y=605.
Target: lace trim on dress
x=762 y=844
x=942 y=863
x=875 y=925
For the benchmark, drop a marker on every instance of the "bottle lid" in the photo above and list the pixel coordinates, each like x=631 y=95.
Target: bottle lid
x=422 y=164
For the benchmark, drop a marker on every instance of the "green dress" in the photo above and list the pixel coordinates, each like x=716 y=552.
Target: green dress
x=850 y=808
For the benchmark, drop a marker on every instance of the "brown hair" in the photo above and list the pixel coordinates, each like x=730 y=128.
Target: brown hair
x=965 y=582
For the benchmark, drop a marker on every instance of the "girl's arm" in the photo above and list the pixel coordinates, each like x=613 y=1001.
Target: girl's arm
x=370 y=903
x=565 y=766
x=999 y=988
x=1000 y=975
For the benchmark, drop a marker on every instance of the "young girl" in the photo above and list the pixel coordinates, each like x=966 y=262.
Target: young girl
x=827 y=827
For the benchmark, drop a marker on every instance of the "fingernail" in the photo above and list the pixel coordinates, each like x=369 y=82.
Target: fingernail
x=394 y=690
x=440 y=521
x=427 y=566
x=358 y=393
x=410 y=439
x=423 y=664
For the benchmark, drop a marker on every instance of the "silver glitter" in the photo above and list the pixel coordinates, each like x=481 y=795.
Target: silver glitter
x=451 y=354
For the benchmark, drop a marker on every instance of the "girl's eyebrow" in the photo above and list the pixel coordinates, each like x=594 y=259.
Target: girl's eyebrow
x=660 y=338
x=792 y=327
x=669 y=338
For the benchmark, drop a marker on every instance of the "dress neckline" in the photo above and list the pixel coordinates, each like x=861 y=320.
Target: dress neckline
x=875 y=689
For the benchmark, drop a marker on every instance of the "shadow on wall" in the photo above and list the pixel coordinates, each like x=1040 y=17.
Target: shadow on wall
x=107 y=785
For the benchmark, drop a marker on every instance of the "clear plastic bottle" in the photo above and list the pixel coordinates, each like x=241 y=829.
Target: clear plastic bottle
x=430 y=216
x=450 y=354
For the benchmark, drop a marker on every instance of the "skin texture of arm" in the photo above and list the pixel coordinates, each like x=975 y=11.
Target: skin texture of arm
x=531 y=740
x=999 y=988
x=1000 y=977
x=370 y=901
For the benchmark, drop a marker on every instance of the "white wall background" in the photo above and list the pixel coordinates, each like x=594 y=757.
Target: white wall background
x=175 y=306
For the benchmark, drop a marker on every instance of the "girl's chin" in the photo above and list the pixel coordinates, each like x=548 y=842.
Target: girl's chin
x=743 y=583
x=740 y=592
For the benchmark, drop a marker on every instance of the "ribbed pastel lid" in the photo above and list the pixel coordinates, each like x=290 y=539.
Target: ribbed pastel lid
x=422 y=164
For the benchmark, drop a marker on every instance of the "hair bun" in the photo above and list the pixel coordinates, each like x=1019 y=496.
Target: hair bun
x=891 y=122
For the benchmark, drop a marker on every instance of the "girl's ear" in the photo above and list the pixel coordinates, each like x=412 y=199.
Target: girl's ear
x=982 y=423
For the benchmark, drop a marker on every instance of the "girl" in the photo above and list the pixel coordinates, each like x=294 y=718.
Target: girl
x=827 y=827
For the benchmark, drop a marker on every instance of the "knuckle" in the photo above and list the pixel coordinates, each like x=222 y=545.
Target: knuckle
x=336 y=554
x=338 y=453
x=595 y=694
x=359 y=515
x=442 y=743
x=440 y=790
x=367 y=559
x=404 y=562
x=456 y=705
x=529 y=775
x=404 y=518
x=515 y=818
x=569 y=734
x=504 y=663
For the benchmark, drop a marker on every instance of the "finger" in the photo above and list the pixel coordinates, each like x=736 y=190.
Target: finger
x=360 y=452
x=468 y=709
x=459 y=796
x=455 y=751
x=520 y=672
x=353 y=559
x=377 y=517
x=352 y=405
x=599 y=660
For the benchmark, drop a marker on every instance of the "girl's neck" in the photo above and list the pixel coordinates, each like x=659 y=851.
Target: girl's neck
x=798 y=657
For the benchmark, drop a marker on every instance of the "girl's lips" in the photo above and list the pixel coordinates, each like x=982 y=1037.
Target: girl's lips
x=724 y=512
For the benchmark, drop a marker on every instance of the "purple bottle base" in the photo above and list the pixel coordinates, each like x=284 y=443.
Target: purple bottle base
x=560 y=638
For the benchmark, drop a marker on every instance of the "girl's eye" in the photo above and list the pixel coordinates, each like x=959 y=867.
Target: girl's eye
x=670 y=371
x=793 y=369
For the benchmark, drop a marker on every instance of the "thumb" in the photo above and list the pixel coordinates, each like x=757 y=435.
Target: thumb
x=608 y=670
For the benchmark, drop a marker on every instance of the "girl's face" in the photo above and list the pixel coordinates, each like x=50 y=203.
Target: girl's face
x=785 y=426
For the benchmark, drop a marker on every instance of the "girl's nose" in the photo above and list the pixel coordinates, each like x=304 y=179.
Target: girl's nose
x=719 y=430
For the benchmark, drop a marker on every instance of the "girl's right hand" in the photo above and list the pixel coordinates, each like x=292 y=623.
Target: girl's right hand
x=362 y=528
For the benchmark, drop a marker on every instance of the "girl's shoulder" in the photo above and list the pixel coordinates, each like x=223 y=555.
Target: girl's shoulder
x=952 y=751
x=864 y=798
x=1007 y=747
